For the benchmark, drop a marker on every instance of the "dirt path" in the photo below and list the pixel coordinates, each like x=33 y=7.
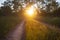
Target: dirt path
x=17 y=33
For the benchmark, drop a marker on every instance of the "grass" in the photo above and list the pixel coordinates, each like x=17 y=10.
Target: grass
x=7 y=23
x=40 y=31
x=34 y=30
x=53 y=21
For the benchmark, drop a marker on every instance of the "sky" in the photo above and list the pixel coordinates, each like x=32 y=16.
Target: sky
x=1 y=1
x=58 y=0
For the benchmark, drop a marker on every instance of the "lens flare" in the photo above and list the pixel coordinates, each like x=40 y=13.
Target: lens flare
x=30 y=11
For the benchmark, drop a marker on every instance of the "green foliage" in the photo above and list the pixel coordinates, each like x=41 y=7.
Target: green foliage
x=5 y=11
x=7 y=23
x=48 y=5
x=51 y=5
x=52 y=21
x=56 y=13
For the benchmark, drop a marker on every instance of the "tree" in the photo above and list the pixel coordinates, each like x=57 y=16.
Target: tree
x=51 y=5
x=15 y=5
x=47 y=5
x=5 y=11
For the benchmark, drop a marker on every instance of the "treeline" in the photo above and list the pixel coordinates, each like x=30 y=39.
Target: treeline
x=5 y=11
x=11 y=7
x=55 y=13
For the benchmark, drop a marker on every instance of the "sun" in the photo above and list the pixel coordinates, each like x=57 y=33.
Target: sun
x=30 y=11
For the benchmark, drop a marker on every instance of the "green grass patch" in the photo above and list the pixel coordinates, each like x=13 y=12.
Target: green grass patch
x=53 y=20
x=7 y=23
